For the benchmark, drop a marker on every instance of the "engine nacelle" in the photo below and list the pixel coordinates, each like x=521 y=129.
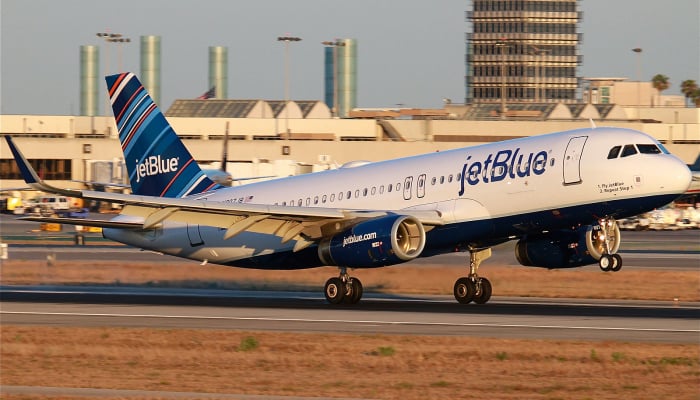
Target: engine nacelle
x=567 y=248
x=376 y=242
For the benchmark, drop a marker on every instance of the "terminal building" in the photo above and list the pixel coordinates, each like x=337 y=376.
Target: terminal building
x=527 y=49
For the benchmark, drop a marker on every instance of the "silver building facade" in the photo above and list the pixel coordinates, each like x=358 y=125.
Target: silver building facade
x=523 y=51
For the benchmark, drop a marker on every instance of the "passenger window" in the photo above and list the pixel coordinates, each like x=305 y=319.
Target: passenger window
x=442 y=180
x=340 y=196
x=332 y=197
x=449 y=178
x=316 y=200
x=614 y=152
x=357 y=193
x=324 y=198
x=629 y=150
x=389 y=188
x=364 y=192
x=349 y=195
x=374 y=190
x=648 y=149
x=459 y=176
x=381 y=189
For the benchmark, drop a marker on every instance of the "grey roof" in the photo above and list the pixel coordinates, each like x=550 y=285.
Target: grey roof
x=486 y=111
x=211 y=108
x=306 y=106
x=277 y=106
x=604 y=109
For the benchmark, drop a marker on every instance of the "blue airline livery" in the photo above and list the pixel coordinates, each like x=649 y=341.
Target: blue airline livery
x=558 y=195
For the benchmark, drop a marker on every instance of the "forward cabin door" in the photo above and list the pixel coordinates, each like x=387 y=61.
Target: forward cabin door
x=572 y=160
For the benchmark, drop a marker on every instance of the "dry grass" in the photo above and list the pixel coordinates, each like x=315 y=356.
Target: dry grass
x=587 y=282
x=364 y=366
x=367 y=366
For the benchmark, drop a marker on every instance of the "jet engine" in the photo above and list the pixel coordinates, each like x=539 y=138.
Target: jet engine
x=568 y=248
x=376 y=242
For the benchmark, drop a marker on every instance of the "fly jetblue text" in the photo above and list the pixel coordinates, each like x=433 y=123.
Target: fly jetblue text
x=505 y=163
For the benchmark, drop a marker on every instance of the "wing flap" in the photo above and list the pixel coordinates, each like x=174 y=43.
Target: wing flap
x=87 y=222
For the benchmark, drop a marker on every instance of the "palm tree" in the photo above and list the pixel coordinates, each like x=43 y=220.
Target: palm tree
x=660 y=83
x=689 y=87
x=695 y=97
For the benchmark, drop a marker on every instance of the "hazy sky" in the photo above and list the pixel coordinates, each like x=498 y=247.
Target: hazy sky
x=409 y=51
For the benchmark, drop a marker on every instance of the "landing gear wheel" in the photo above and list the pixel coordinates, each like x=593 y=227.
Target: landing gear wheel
x=335 y=290
x=483 y=291
x=617 y=263
x=353 y=291
x=464 y=290
x=606 y=262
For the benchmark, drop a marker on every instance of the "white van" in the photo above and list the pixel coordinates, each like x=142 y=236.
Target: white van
x=50 y=204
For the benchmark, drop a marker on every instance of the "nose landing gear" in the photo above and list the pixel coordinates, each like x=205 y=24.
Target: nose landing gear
x=609 y=237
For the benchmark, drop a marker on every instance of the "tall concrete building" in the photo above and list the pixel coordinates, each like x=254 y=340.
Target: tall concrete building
x=150 y=65
x=527 y=50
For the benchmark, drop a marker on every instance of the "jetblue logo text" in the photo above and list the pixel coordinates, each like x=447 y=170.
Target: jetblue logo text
x=358 y=238
x=155 y=165
x=505 y=163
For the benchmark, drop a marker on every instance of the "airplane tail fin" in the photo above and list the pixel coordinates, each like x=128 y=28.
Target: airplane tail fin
x=158 y=162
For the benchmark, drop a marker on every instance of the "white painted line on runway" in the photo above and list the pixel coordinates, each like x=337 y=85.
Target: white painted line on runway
x=347 y=321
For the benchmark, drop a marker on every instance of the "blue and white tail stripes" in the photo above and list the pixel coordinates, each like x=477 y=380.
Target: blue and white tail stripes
x=156 y=159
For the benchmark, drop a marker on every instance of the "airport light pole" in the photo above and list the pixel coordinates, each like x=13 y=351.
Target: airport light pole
x=287 y=40
x=503 y=44
x=335 y=45
x=538 y=65
x=110 y=37
x=638 y=50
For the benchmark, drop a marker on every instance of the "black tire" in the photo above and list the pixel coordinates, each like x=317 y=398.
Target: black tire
x=464 y=290
x=605 y=263
x=334 y=290
x=617 y=262
x=484 y=295
x=354 y=291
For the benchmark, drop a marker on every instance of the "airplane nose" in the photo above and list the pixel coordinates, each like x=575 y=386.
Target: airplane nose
x=679 y=177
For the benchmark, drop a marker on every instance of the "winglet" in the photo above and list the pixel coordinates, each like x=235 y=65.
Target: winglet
x=30 y=176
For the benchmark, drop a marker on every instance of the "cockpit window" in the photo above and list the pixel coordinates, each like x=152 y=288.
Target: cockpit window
x=648 y=149
x=614 y=152
x=663 y=149
x=629 y=150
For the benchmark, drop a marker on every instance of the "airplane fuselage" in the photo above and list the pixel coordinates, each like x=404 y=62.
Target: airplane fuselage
x=484 y=194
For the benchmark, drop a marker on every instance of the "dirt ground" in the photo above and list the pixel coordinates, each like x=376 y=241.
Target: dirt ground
x=350 y=366
x=359 y=366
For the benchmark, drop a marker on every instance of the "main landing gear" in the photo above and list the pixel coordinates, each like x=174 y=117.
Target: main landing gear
x=343 y=289
x=473 y=288
x=609 y=236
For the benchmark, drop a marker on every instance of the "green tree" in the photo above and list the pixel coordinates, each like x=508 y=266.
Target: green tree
x=660 y=83
x=690 y=89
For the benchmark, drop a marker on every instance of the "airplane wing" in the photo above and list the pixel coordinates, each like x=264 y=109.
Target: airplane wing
x=306 y=225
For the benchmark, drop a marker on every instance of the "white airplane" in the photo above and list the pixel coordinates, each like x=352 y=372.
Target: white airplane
x=559 y=195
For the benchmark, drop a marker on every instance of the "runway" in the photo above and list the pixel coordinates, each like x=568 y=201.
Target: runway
x=377 y=313
x=525 y=318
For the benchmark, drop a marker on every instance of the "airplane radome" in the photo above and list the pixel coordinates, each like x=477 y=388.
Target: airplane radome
x=559 y=195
